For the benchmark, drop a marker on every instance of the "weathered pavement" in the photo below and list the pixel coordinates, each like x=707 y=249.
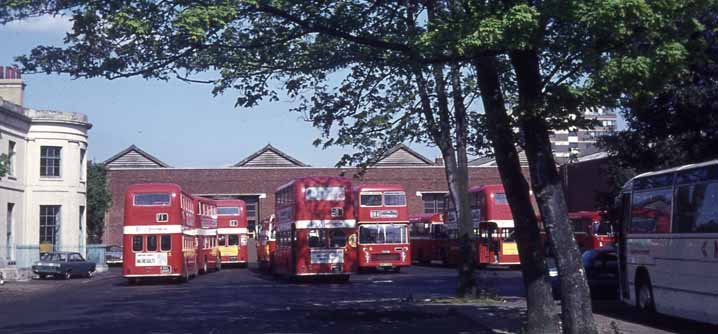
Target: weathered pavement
x=242 y=300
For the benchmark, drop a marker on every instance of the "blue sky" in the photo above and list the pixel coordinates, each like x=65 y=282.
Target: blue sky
x=180 y=123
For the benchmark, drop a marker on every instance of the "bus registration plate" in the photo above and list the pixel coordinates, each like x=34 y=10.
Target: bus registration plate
x=150 y=259
x=327 y=256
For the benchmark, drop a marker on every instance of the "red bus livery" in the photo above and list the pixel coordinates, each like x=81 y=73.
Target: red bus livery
x=266 y=244
x=232 y=233
x=493 y=226
x=382 y=221
x=207 y=253
x=316 y=228
x=591 y=230
x=159 y=232
x=430 y=239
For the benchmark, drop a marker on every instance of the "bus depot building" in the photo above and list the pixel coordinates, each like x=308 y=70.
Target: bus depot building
x=255 y=178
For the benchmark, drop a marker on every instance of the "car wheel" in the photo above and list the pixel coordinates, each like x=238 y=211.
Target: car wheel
x=67 y=275
x=644 y=294
x=89 y=274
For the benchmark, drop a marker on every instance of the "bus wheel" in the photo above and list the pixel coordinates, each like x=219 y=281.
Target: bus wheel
x=644 y=294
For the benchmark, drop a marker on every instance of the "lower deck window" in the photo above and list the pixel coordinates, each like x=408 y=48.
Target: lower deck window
x=326 y=238
x=233 y=240
x=383 y=234
x=166 y=242
x=151 y=243
x=137 y=243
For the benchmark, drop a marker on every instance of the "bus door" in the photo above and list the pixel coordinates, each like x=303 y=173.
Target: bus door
x=622 y=223
x=488 y=242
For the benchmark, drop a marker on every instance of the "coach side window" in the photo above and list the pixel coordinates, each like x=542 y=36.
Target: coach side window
x=697 y=208
x=651 y=211
x=137 y=243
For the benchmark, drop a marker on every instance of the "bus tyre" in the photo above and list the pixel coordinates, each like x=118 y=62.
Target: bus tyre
x=644 y=294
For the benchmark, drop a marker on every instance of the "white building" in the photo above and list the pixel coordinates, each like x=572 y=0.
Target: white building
x=43 y=195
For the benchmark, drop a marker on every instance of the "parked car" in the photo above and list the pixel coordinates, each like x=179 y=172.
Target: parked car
x=63 y=264
x=601 y=266
x=113 y=255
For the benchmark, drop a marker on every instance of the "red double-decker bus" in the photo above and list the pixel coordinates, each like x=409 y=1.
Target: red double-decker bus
x=432 y=240
x=208 y=256
x=232 y=233
x=591 y=229
x=493 y=226
x=159 y=233
x=383 y=223
x=316 y=228
x=266 y=244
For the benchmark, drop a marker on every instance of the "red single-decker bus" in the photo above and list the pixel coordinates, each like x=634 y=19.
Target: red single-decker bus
x=159 y=232
x=432 y=240
x=316 y=228
x=383 y=223
x=232 y=233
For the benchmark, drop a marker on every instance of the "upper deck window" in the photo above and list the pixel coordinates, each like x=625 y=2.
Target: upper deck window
x=370 y=199
x=228 y=210
x=152 y=199
x=324 y=193
x=394 y=198
x=500 y=198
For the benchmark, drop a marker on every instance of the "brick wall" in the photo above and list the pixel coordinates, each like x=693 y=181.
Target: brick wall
x=266 y=180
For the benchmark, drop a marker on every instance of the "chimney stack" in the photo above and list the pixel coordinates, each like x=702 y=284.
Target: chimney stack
x=11 y=85
x=439 y=161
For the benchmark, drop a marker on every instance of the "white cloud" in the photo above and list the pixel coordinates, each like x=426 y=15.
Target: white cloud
x=40 y=24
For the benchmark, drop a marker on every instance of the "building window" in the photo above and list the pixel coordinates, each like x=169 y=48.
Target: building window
x=49 y=224
x=50 y=161
x=9 y=237
x=11 y=158
x=434 y=203
x=82 y=164
x=251 y=215
x=82 y=230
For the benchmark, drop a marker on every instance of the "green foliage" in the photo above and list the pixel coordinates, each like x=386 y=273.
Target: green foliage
x=678 y=123
x=99 y=200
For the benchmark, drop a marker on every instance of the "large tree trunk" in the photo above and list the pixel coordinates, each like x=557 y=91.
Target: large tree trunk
x=456 y=168
x=467 y=239
x=577 y=313
x=541 y=308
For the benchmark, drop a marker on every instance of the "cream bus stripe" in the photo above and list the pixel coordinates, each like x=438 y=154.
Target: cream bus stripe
x=149 y=229
x=232 y=230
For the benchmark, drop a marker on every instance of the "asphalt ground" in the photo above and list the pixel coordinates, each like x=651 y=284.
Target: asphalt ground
x=248 y=301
